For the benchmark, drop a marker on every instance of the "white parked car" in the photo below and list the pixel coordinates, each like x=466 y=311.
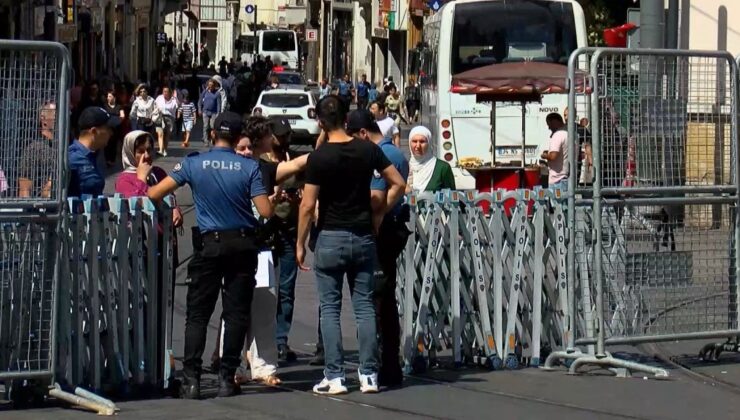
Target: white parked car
x=295 y=105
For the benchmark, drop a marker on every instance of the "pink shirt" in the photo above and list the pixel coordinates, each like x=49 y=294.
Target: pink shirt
x=559 y=166
x=128 y=185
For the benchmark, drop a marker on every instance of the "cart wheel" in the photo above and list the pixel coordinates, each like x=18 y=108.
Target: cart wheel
x=493 y=362
x=512 y=362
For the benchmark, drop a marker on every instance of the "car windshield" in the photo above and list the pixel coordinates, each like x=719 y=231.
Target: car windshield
x=285 y=100
x=501 y=32
x=278 y=41
x=290 y=79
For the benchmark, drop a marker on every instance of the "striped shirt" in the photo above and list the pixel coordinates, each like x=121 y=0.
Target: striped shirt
x=188 y=111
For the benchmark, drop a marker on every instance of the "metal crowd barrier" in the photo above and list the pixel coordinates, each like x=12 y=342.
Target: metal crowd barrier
x=489 y=286
x=656 y=243
x=34 y=105
x=116 y=296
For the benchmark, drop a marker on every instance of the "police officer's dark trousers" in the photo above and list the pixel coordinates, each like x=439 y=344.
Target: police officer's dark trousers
x=391 y=241
x=226 y=261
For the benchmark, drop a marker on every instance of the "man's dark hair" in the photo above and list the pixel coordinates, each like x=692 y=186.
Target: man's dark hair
x=379 y=104
x=554 y=116
x=257 y=128
x=331 y=112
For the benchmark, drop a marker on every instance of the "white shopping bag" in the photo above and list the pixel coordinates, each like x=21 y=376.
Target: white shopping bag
x=265 y=270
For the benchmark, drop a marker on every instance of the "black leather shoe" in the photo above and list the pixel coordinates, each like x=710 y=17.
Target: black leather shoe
x=190 y=386
x=285 y=354
x=318 y=358
x=227 y=387
x=391 y=378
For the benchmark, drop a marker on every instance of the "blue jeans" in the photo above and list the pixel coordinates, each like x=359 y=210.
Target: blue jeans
x=340 y=253
x=286 y=290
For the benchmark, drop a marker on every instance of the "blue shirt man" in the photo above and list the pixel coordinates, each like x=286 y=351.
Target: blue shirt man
x=86 y=175
x=345 y=87
x=399 y=161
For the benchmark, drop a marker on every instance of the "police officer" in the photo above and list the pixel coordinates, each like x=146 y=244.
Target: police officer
x=391 y=240
x=225 y=248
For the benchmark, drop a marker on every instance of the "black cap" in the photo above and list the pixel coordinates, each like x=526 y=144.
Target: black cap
x=229 y=122
x=94 y=116
x=280 y=126
x=359 y=119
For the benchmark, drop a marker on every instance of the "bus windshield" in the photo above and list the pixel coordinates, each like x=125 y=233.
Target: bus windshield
x=494 y=32
x=278 y=41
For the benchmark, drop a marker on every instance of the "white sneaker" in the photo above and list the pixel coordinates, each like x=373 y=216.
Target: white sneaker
x=330 y=387
x=368 y=383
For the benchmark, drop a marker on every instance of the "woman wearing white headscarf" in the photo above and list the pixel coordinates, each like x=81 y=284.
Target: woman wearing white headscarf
x=427 y=173
x=138 y=173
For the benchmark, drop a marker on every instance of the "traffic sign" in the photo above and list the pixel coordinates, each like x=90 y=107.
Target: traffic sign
x=249 y=9
x=434 y=4
x=312 y=35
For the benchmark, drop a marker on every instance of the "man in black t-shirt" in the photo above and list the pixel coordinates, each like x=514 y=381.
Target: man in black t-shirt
x=338 y=176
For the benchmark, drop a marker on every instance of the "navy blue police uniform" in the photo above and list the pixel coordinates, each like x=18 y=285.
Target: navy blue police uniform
x=225 y=250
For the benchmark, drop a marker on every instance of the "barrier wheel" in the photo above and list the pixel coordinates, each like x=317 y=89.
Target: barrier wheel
x=512 y=362
x=568 y=362
x=419 y=365
x=493 y=362
x=710 y=352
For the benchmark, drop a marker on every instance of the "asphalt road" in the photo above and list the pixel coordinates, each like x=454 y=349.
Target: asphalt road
x=442 y=393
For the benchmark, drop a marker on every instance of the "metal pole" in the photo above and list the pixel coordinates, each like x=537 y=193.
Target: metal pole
x=598 y=273
x=672 y=25
x=254 y=32
x=651 y=24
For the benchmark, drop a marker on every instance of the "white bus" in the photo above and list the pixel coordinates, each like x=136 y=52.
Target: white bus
x=466 y=34
x=281 y=45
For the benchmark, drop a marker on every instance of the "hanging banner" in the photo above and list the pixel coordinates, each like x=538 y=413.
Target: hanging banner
x=379 y=19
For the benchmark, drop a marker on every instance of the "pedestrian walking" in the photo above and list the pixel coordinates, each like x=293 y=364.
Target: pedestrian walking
x=372 y=94
x=391 y=240
x=187 y=114
x=385 y=122
x=324 y=88
x=112 y=107
x=144 y=112
x=225 y=248
x=362 y=92
x=168 y=106
x=209 y=108
x=346 y=91
x=394 y=107
x=338 y=177
x=86 y=175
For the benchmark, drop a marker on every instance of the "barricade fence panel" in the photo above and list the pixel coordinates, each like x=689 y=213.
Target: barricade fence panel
x=116 y=295
x=656 y=235
x=34 y=124
x=27 y=282
x=484 y=279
